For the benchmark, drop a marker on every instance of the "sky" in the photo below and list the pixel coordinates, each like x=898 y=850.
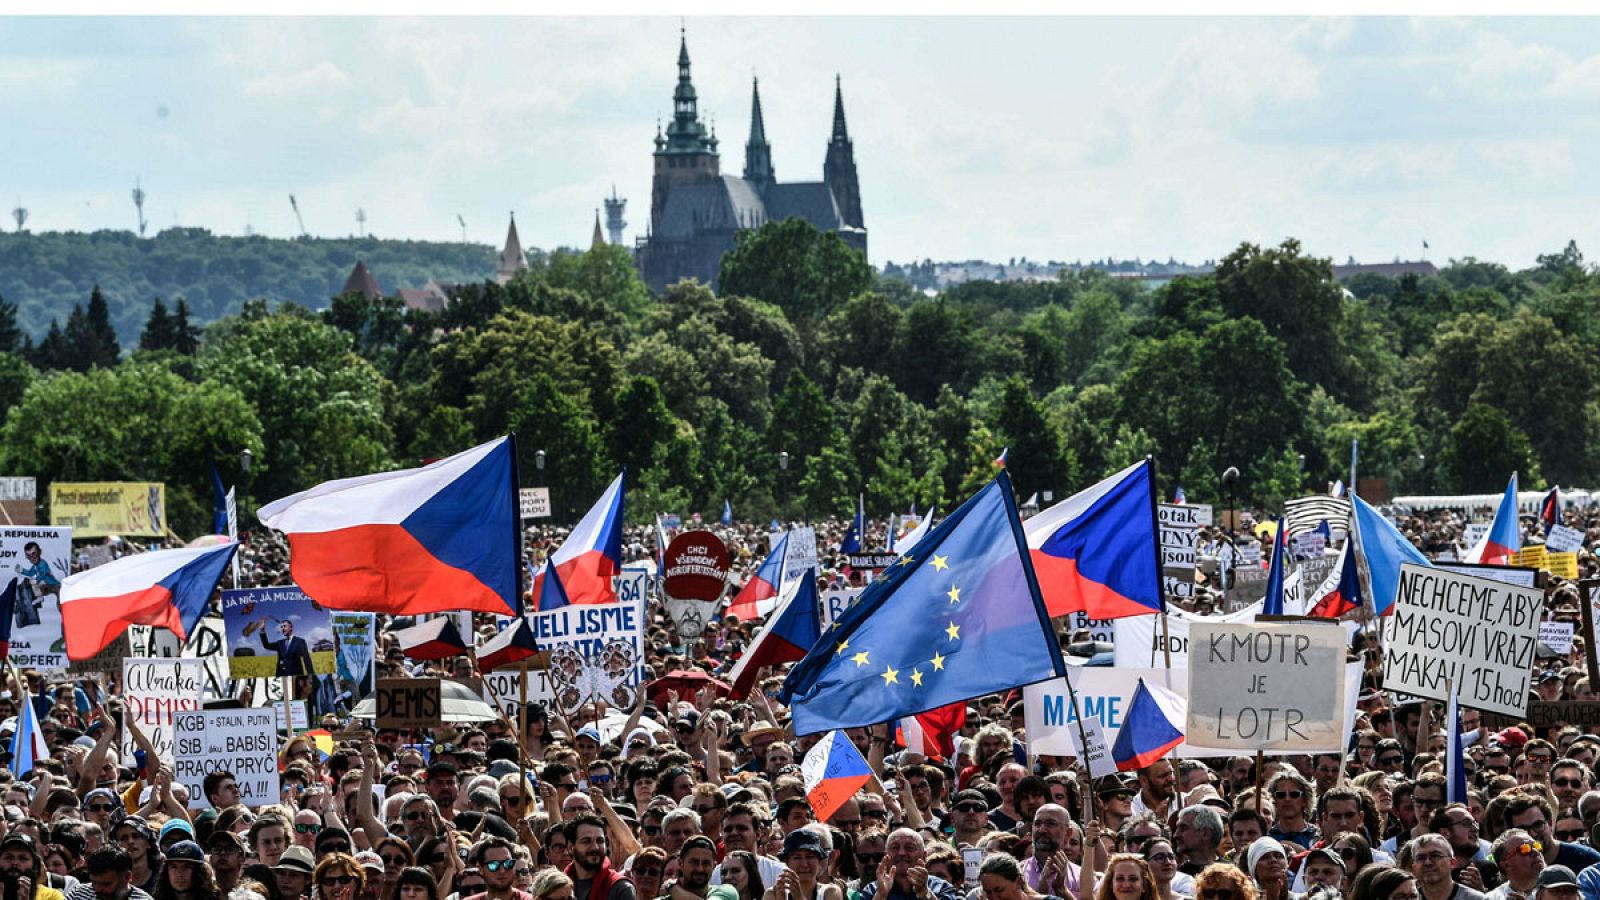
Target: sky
x=975 y=138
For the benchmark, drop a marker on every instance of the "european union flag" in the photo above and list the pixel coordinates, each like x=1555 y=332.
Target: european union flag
x=957 y=616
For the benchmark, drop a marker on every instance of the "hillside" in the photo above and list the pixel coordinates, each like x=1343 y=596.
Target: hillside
x=45 y=274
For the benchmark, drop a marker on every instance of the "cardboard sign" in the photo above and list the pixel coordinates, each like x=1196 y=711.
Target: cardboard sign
x=242 y=742
x=300 y=717
x=534 y=503
x=1533 y=556
x=154 y=692
x=835 y=601
x=1096 y=751
x=695 y=567
x=1140 y=642
x=408 y=703
x=354 y=646
x=1310 y=545
x=1476 y=633
x=802 y=551
x=1563 y=539
x=277 y=631
x=1267 y=686
x=1473 y=533
x=1557 y=635
x=872 y=560
x=1562 y=565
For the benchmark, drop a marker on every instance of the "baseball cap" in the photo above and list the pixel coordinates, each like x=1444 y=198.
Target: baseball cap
x=185 y=851
x=1326 y=854
x=1556 y=876
x=970 y=796
x=590 y=732
x=225 y=840
x=803 y=839
x=370 y=860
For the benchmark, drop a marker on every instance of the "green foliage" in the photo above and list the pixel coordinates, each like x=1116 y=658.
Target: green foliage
x=791 y=264
x=1483 y=448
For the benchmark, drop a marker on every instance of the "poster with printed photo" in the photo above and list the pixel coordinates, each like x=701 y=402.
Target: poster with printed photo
x=33 y=563
x=277 y=631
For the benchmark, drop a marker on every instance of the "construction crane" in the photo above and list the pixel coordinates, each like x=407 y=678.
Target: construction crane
x=463 y=227
x=138 y=204
x=361 y=222
x=295 y=204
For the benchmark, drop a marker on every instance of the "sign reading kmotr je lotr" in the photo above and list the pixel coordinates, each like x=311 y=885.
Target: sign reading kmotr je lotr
x=1265 y=686
x=1475 y=633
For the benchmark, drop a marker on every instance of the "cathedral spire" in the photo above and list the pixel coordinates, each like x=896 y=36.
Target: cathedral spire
x=686 y=133
x=757 y=152
x=840 y=132
x=598 y=239
x=512 y=259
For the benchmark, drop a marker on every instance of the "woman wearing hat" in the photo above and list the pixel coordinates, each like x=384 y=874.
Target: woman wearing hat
x=186 y=876
x=804 y=853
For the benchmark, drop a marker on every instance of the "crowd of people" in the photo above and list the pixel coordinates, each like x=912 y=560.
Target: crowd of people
x=709 y=803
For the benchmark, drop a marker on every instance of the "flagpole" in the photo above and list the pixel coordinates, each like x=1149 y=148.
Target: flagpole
x=1083 y=748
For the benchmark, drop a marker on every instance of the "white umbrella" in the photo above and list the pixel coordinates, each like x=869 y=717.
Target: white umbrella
x=457 y=703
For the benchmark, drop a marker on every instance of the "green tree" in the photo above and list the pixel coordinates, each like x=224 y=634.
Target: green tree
x=605 y=274
x=322 y=408
x=10 y=331
x=547 y=417
x=157 y=334
x=1483 y=448
x=805 y=272
x=1037 y=461
x=1295 y=297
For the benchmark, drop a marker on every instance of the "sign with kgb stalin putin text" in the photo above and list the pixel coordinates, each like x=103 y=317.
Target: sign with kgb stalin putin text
x=1477 y=634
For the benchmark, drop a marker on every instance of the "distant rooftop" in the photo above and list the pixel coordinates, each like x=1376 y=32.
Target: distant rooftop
x=1394 y=269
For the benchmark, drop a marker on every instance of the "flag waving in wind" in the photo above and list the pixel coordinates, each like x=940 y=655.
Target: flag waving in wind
x=727 y=513
x=1504 y=535
x=1340 y=591
x=791 y=633
x=1273 y=601
x=27 y=744
x=958 y=617
x=1381 y=548
x=163 y=588
x=858 y=529
x=592 y=554
x=759 y=595
x=908 y=540
x=832 y=772
x=1550 y=509
x=443 y=537
x=1152 y=727
x=1096 y=551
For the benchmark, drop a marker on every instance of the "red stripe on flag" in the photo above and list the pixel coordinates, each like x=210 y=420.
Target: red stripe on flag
x=367 y=567
x=90 y=623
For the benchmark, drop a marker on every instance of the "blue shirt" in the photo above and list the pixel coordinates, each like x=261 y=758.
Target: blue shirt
x=938 y=887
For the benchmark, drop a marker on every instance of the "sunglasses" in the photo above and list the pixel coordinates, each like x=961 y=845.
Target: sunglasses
x=1574 y=836
x=476 y=887
x=100 y=807
x=1567 y=782
x=499 y=865
x=1529 y=849
x=868 y=860
x=702 y=810
x=1217 y=894
x=415 y=815
x=334 y=848
x=512 y=800
x=969 y=808
x=336 y=880
x=1347 y=852
x=307 y=828
x=1288 y=795
x=648 y=873
x=1541 y=757
x=652 y=830
x=398 y=860
x=224 y=850
x=1390 y=760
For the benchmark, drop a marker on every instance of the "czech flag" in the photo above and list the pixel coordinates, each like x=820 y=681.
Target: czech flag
x=436 y=638
x=833 y=771
x=1504 y=537
x=793 y=630
x=759 y=595
x=933 y=733
x=1381 y=548
x=1177 y=496
x=661 y=544
x=1340 y=592
x=1150 y=729
x=552 y=593
x=1096 y=552
x=163 y=588
x=858 y=529
x=1550 y=509
x=1272 y=603
x=1000 y=461
x=512 y=645
x=27 y=744
x=592 y=554
x=443 y=537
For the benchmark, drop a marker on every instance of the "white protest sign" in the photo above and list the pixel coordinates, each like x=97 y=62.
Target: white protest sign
x=1528 y=578
x=297 y=711
x=802 y=551
x=835 y=601
x=1097 y=752
x=1103 y=630
x=534 y=503
x=633 y=585
x=1267 y=686
x=1309 y=545
x=1476 y=633
x=1562 y=539
x=154 y=691
x=596 y=653
x=33 y=561
x=1557 y=636
x=1140 y=643
x=1473 y=533
x=241 y=742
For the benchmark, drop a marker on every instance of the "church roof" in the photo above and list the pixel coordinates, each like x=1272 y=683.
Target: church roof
x=512 y=259
x=725 y=204
x=809 y=200
x=362 y=282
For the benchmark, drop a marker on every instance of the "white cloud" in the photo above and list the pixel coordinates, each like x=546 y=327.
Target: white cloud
x=321 y=79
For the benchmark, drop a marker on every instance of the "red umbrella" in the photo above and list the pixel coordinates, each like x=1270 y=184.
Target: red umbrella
x=687 y=682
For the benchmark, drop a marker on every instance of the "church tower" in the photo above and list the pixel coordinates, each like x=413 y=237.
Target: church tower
x=839 y=167
x=688 y=152
x=512 y=259
x=757 y=152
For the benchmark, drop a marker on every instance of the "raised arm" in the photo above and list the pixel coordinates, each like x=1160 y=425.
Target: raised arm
x=87 y=779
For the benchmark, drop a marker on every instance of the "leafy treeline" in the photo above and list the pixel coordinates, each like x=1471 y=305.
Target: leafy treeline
x=861 y=384
x=46 y=273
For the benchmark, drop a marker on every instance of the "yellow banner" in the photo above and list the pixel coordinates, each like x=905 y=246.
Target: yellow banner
x=100 y=508
x=1562 y=565
x=1533 y=556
